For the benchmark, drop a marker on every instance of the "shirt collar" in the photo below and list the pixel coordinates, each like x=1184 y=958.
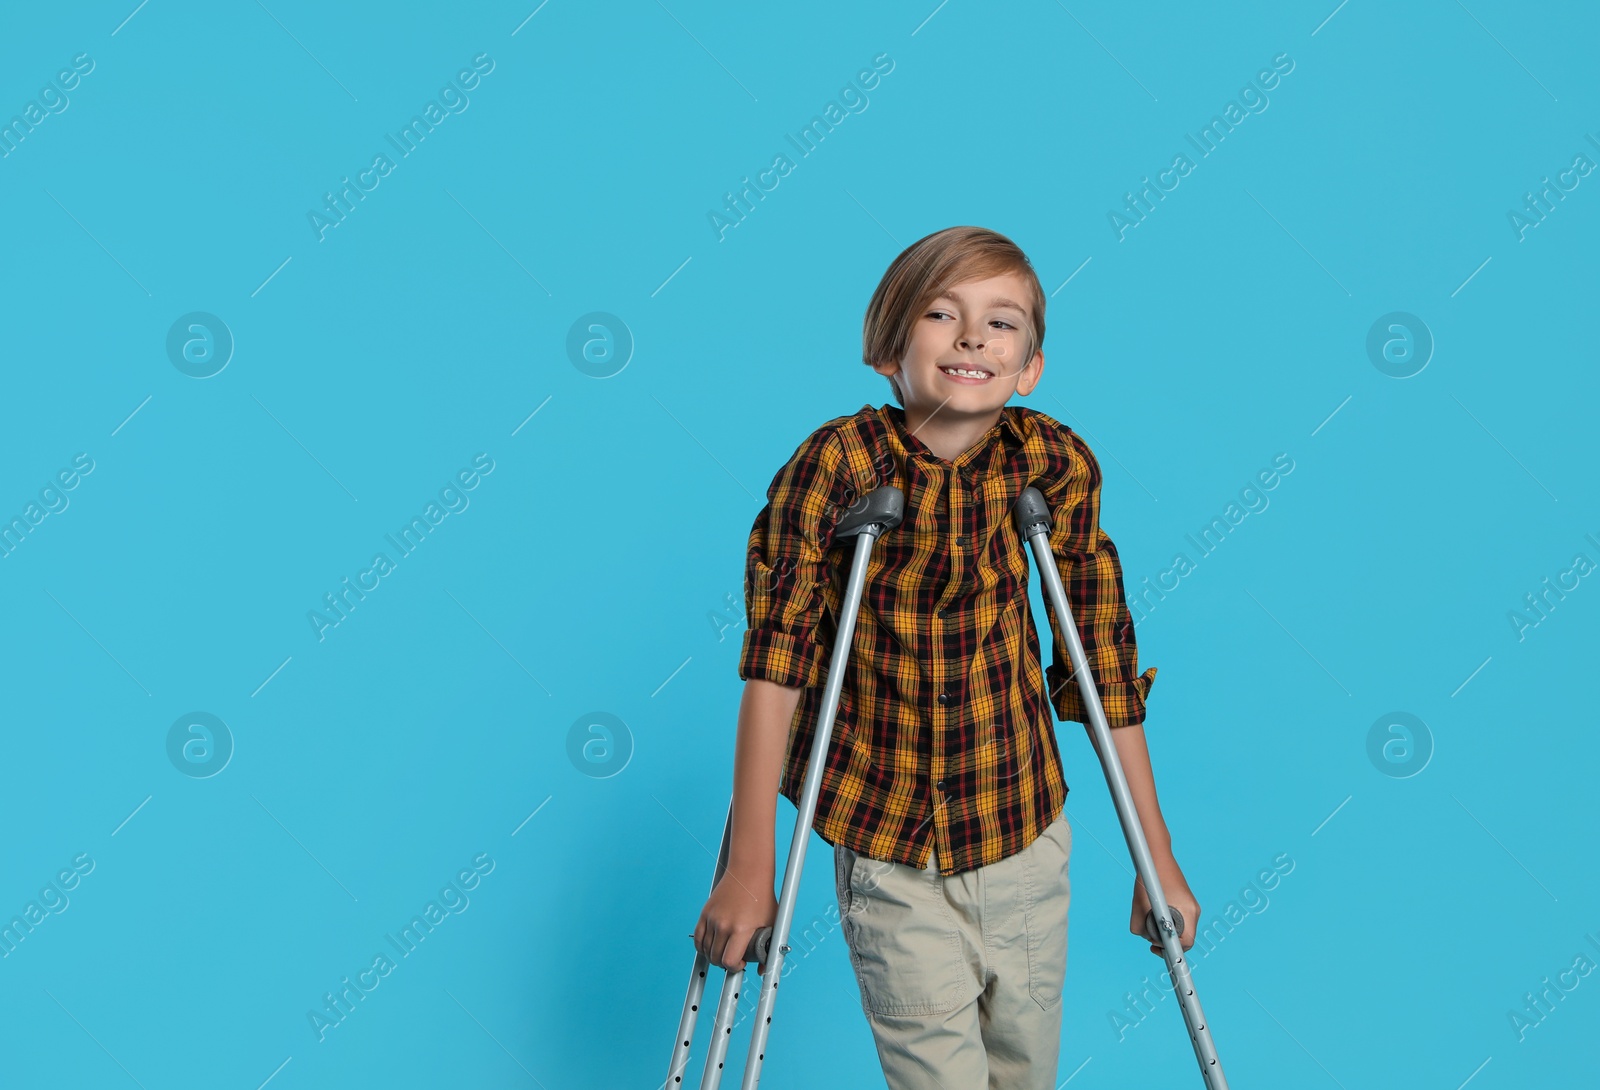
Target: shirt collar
x=1012 y=420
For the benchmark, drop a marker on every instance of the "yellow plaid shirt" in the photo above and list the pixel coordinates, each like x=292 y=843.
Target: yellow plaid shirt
x=943 y=734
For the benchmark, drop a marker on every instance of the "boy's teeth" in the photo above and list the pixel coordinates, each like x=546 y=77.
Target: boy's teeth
x=964 y=372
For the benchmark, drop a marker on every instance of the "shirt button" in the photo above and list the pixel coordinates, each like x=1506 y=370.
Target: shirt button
x=961 y=541
x=944 y=698
x=940 y=785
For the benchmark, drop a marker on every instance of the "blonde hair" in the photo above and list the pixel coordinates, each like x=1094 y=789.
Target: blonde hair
x=922 y=272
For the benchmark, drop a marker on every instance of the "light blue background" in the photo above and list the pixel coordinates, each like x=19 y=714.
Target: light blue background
x=586 y=575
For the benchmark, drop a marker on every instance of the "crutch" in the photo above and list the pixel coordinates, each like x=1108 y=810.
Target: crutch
x=866 y=520
x=1163 y=924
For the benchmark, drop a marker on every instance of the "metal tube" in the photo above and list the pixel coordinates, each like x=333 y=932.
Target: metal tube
x=1034 y=527
x=867 y=519
x=697 y=978
x=811 y=787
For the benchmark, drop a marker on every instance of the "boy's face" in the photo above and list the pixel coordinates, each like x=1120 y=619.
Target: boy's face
x=976 y=325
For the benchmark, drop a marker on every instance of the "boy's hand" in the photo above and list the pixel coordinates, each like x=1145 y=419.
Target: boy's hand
x=1178 y=897
x=738 y=907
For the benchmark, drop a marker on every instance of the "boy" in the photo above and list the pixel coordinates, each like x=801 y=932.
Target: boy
x=942 y=794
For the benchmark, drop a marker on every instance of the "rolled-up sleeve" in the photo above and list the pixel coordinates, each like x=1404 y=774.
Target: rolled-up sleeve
x=1091 y=573
x=787 y=569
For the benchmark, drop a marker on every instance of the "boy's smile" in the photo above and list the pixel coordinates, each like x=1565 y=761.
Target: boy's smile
x=964 y=359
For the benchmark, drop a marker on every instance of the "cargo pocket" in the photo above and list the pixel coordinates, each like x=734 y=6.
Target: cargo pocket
x=1049 y=894
x=841 y=879
x=903 y=940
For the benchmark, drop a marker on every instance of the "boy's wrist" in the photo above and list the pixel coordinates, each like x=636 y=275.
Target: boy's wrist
x=756 y=865
x=1160 y=844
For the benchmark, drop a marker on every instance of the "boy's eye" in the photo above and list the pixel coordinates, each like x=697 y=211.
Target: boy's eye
x=944 y=314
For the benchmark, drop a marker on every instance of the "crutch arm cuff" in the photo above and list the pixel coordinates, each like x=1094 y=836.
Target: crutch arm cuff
x=1122 y=701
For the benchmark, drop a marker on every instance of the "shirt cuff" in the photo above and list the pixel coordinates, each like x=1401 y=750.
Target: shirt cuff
x=1122 y=701
x=781 y=658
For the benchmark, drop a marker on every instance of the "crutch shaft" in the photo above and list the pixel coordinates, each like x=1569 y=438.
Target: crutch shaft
x=697 y=977
x=1033 y=519
x=867 y=519
x=811 y=787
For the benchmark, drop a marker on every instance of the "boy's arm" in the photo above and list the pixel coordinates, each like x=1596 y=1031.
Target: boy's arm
x=784 y=649
x=1091 y=573
x=742 y=901
x=765 y=712
x=1135 y=758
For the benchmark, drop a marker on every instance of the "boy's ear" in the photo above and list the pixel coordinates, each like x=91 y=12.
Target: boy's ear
x=1029 y=378
x=889 y=369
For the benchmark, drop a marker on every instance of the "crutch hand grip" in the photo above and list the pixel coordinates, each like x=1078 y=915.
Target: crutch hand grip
x=762 y=939
x=879 y=511
x=1152 y=930
x=1032 y=513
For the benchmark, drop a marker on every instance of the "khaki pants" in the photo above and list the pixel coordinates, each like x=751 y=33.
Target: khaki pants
x=961 y=977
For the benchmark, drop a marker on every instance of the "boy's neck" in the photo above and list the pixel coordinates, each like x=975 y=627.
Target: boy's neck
x=946 y=434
